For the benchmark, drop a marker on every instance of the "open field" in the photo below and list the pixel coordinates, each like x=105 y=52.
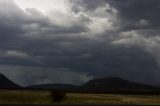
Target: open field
x=43 y=97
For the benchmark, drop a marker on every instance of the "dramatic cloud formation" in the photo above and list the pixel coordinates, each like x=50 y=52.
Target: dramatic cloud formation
x=73 y=41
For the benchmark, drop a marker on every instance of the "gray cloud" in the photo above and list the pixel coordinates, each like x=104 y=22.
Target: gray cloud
x=138 y=11
x=92 y=39
x=40 y=75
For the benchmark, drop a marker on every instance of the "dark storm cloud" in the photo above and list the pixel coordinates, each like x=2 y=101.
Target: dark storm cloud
x=87 y=4
x=138 y=11
x=97 y=38
x=133 y=13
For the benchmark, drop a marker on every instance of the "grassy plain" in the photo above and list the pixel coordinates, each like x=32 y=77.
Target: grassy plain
x=43 y=97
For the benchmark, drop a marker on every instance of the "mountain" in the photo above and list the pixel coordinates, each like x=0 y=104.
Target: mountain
x=113 y=83
x=101 y=85
x=5 y=83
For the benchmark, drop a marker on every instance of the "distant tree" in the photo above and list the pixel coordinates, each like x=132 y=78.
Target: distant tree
x=58 y=96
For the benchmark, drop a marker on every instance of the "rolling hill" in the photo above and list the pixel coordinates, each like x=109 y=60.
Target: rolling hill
x=100 y=85
x=113 y=83
x=53 y=86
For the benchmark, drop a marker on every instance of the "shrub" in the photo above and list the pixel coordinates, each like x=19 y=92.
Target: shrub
x=58 y=96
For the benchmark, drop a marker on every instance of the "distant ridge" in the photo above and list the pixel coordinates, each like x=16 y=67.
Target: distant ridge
x=5 y=83
x=114 y=83
x=100 y=85
x=53 y=86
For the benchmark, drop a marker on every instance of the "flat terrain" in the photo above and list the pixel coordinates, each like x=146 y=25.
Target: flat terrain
x=43 y=97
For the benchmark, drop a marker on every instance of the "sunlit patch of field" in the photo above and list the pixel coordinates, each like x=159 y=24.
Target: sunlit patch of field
x=43 y=97
x=114 y=99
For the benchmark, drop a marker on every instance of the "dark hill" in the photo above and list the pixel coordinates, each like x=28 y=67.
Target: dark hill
x=102 y=85
x=53 y=86
x=5 y=83
x=113 y=83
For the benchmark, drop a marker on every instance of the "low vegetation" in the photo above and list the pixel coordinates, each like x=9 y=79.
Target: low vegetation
x=58 y=96
x=50 y=97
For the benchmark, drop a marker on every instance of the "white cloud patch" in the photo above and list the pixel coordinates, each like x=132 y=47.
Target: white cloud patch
x=14 y=53
x=43 y=5
x=102 y=19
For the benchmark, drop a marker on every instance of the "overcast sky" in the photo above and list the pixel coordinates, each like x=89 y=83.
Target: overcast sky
x=73 y=41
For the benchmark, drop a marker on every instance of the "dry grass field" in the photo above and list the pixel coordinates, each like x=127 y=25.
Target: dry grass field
x=44 y=97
